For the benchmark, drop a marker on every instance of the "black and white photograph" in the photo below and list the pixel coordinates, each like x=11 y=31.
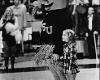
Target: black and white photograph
x=49 y=39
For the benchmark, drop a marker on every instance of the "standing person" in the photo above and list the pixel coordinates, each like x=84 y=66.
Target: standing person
x=89 y=34
x=19 y=10
x=69 y=49
x=37 y=22
x=46 y=32
x=78 y=9
x=57 y=18
x=9 y=24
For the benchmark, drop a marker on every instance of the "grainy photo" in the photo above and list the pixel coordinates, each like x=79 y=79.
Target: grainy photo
x=49 y=39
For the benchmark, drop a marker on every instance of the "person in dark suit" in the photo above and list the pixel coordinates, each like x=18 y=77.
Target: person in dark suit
x=90 y=32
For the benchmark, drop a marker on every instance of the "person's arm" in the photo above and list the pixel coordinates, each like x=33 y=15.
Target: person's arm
x=16 y=23
x=24 y=16
x=74 y=10
x=1 y=23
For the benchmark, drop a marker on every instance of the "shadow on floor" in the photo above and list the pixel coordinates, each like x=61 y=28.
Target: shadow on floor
x=27 y=69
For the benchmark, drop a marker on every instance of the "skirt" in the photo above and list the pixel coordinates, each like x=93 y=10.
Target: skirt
x=9 y=51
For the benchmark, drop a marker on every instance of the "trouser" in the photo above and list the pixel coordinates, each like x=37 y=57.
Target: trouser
x=35 y=38
x=7 y=62
x=19 y=49
x=91 y=46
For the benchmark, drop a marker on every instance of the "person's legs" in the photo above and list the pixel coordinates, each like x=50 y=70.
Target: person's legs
x=6 y=59
x=19 y=50
x=12 y=62
x=91 y=47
